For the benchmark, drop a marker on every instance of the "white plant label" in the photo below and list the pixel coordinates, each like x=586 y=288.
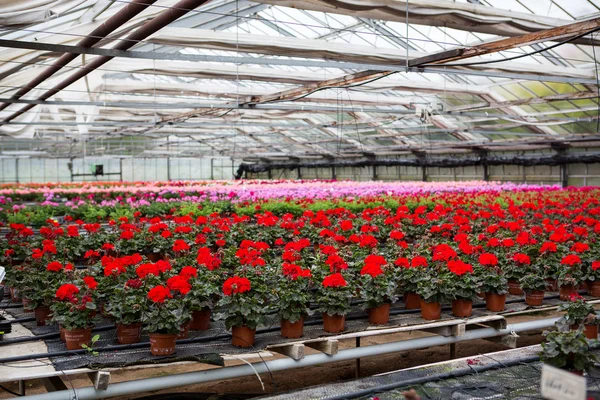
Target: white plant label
x=558 y=384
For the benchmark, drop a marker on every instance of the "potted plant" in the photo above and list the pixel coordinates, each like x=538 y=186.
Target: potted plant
x=570 y=276
x=41 y=282
x=578 y=312
x=377 y=289
x=244 y=309
x=126 y=307
x=74 y=311
x=333 y=299
x=292 y=299
x=165 y=316
x=495 y=287
x=462 y=286
x=409 y=273
x=205 y=285
x=433 y=292
x=593 y=278
x=534 y=286
x=567 y=350
x=515 y=267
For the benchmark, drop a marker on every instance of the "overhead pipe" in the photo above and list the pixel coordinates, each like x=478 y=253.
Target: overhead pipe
x=160 y=21
x=192 y=378
x=110 y=25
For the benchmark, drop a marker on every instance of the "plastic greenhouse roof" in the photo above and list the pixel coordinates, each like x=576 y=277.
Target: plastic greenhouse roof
x=189 y=94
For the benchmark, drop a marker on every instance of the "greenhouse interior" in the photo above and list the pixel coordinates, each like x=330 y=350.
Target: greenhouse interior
x=299 y=199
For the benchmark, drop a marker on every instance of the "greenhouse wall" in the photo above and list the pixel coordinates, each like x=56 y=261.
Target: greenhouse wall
x=26 y=170
x=577 y=174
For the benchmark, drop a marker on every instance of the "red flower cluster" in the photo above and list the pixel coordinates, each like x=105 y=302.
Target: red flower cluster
x=488 y=260
x=67 y=292
x=179 y=283
x=459 y=267
x=159 y=294
x=235 y=285
x=334 y=280
x=180 y=245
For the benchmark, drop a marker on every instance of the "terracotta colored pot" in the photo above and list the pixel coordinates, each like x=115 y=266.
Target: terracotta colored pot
x=566 y=291
x=42 y=314
x=27 y=305
x=576 y=372
x=462 y=308
x=129 y=334
x=242 y=336
x=594 y=288
x=15 y=295
x=514 y=287
x=412 y=301
x=380 y=315
x=551 y=285
x=154 y=257
x=334 y=323
x=162 y=344
x=535 y=298
x=200 y=320
x=495 y=302
x=431 y=311
x=77 y=337
x=185 y=331
x=589 y=330
x=61 y=331
x=292 y=330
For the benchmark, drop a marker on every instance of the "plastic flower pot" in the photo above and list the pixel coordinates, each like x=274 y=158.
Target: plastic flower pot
x=334 y=323
x=462 y=308
x=27 y=305
x=242 y=336
x=431 y=311
x=551 y=285
x=589 y=330
x=185 y=330
x=292 y=330
x=61 y=331
x=155 y=257
x=534 y=298
x=129 y=334
x=495 y=302
x=200 y=320
x=412 y=301
x=42 y=314
x=76 y=338
x=162 y=344
x=514 y=287
x=566 y=291
x=15 y=295
x=379 y=315
x=594 y=288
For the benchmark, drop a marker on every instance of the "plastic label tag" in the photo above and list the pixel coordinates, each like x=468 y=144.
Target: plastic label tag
x=558 y=384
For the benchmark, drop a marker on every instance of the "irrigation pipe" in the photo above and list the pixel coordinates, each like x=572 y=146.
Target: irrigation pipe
x=191 y=378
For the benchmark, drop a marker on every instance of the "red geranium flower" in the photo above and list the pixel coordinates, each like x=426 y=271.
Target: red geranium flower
x=127 y=235
x=188 y=272
x=334 y=280
x=580 y=247
x=418 y=261
x=235 y=285
x=66 y=291
x=521 y=258
x=180 y=284
x=180 y=245
x=144 y=270
x=371 y=269
x=570 y=260
x=90 y=282
x=459 y=267
x=488 y=259
x=159 y=294
x=54 y=266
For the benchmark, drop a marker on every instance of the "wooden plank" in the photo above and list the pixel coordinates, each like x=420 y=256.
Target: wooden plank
x=449 y=330
x=100 y=379
x=494 y=321
x=294 y=350
x=329 y=346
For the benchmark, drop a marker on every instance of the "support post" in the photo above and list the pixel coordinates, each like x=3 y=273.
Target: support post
x=452 y=351
x=424 y=173
x=22 y=388
x=374 y=172
x=333 y=174
x=564 y=175
x=169 y=169
x=17 y=169
x=486 y=174
x=299 y=173
x=54 y=384
x=212 y=169
x=120 y=170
